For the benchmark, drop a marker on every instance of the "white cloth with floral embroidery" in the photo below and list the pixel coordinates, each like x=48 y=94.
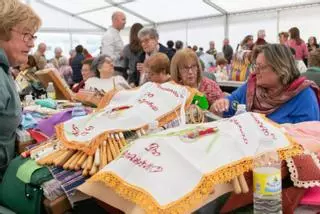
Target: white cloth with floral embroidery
x=136 y=108
x=167 y=167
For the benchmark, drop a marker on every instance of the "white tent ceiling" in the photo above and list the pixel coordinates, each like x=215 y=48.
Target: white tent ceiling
x=95 y=14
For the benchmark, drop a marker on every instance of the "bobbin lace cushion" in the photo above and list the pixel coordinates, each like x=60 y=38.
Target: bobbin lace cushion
x=305 y=170
x=167 y=172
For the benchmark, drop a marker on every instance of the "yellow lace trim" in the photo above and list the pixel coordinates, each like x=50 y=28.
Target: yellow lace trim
x=191 y=200
x=90 y=147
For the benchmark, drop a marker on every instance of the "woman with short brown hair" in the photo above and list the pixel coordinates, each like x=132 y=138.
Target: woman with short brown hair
x=158 y=68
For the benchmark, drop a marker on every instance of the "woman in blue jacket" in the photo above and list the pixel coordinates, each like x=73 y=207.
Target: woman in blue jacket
x=275 y=89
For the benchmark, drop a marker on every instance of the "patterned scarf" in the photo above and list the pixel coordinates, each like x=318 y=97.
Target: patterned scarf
x=259 y=101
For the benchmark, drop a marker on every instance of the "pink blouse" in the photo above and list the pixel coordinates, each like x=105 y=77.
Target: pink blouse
x=211 y=89
x=301 y=50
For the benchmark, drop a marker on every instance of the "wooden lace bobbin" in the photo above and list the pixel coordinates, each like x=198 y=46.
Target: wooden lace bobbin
x=236 y=185
x=109 y=153
x=63 y=154
x=84 y=164
x=116 y=146
x=101 y=155
x=243 y=184
x=97 y=157
x=123 y=140
x=89 y=164
x=93 y=170
x=65 y=158
x=112 y=149
x=73 y=164
x=81 y=161
x=55 y=156
x=96 y=163
x=67 y=164
x=117 y=139
x=48 y=160
x=85 y=171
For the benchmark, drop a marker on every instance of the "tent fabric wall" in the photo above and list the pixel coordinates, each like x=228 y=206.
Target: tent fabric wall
x=306 y=19
x=242 y=25
x=52 y=19
x=192 y=31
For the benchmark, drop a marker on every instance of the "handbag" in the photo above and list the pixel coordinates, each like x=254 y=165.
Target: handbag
x=20 y=197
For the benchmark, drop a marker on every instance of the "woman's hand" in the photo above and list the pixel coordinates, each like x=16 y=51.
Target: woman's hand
x=220 y=105
x=140 y=67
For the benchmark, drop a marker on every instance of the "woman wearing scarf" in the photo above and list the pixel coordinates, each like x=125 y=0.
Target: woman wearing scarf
x=275 y=89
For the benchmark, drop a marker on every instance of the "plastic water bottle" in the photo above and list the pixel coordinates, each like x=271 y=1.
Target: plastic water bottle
x=267 y=180
x=241 y=108
x=28 y=100
x=78 y=110
x=51 y=92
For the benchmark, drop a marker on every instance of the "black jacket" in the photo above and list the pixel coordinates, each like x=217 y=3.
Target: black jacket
x=76 y=65
x=135 y=77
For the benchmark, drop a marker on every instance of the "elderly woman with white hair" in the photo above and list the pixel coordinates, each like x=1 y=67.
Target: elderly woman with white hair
x=104 y=78
x=149 y=41
x=18 y=25
x=57 y=56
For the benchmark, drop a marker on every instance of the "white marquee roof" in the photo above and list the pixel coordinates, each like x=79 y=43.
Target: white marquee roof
x=95 y=15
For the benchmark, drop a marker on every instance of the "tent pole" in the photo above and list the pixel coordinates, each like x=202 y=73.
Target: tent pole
x=187 y=36
x=71 y=40
x=278 y=22
x=226 y=26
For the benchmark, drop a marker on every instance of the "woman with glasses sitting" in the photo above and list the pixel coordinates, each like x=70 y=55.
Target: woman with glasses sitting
x=186 y=70
x=275 y=89
x=18 y=25
x=104 y=79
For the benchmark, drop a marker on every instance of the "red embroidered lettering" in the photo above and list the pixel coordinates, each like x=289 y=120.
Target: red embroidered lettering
x=156 y=169
x=153 y=149
x=137 y=161
x=175 y=93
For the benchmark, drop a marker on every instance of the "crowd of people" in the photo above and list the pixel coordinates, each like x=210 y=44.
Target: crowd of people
x=276 y=87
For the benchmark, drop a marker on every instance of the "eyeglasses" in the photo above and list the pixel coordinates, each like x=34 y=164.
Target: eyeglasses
x=193 y=68
x=145 y=41
x=259 y=67
x=27 y=37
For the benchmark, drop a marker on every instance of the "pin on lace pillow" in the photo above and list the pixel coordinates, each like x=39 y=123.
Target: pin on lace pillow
x=305 y=170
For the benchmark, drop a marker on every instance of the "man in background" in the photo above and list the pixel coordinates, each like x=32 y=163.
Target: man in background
x=112 y=44
x=212 y=50
x=40 y=57
x=261 y=38
x=57 y=56
x=76 y=64
x=227 y=50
